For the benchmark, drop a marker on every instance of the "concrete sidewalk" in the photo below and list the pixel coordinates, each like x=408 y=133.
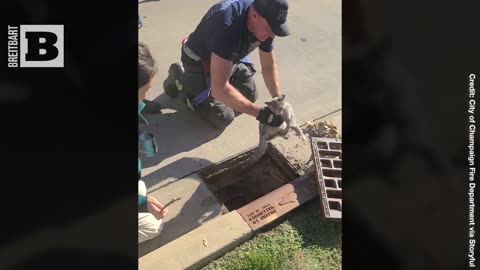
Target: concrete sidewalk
x=309 y=63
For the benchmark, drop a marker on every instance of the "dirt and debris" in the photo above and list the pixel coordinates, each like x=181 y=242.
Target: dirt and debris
x=320 y=129
x=299 y=152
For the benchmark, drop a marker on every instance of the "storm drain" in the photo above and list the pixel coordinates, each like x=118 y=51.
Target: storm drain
x=235 y=186
x=328 y=165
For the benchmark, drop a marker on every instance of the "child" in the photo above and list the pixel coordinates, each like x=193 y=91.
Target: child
x=150 y=211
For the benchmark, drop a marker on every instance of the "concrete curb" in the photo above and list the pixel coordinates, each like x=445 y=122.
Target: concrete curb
x=200 y=246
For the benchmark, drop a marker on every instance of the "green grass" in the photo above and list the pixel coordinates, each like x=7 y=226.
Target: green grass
x=303 y=240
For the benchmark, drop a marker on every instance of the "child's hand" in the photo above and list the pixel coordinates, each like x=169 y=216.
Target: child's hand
x=156 y=208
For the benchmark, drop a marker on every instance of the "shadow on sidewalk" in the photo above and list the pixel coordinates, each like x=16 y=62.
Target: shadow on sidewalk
x=176 y=132
x=199 y=208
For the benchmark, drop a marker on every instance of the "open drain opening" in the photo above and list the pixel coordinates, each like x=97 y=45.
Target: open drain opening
x=335 y=205
x=332 y=173
x=331 y=193
x=235 y=186
x=326 y=163
x=337 y=164
x=330 y=183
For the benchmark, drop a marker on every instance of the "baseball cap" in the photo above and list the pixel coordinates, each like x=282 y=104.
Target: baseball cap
x=275 y=12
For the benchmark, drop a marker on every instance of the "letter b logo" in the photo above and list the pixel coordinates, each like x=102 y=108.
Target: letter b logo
x=41 y=45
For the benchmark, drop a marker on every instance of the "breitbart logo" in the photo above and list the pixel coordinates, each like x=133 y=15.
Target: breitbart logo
x=35 y=46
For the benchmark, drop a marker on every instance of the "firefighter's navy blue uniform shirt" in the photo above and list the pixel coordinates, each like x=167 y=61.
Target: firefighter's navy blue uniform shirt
x=223 y=30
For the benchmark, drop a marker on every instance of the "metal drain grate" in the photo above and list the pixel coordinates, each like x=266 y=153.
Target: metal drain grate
x=328 y=165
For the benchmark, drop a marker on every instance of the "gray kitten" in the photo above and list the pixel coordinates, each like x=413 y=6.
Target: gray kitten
x=278 y=106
